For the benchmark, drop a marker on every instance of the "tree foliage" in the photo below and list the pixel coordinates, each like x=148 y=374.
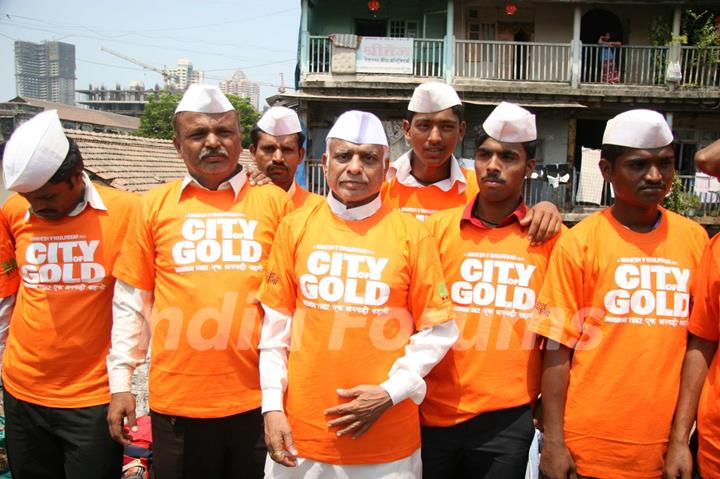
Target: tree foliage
x=156 y=120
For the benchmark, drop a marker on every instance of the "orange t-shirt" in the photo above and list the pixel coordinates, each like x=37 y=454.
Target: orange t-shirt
x=430 y=199
x=705 y=323
x=358 y=291
x=303 y=197
x=60 y=328
x=203 y=253
x=621 y=300
x=493 y=275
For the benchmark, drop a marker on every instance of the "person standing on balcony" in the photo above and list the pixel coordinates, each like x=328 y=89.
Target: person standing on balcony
x=277 y=149
x=607 y=56
x=614 y=308
x=477 y=419
x=356 y=314
x=59 y=238
x=189 y=268
x=428 y=178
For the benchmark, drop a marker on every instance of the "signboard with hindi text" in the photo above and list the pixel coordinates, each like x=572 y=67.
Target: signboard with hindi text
x=385 y=55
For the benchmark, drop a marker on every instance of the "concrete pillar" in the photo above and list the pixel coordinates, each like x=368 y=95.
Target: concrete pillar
x=576 y=49
x=304 y=37
x=677 y=20
x=449 y=43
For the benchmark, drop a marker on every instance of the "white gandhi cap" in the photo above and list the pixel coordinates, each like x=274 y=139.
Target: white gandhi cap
x=432 y=97
x=34 y=152
x=359 y=127
x=510 y=123
x=204 y=99
x=279 y=120
x=638 y=129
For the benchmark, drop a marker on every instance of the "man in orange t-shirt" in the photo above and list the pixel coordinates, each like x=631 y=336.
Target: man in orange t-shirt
x=428 y=178
x=477 y=415
x=192 y=261
x=614 y=308
x=277 y=149
x=62 y=234
x=699 y=391
x=356 y=313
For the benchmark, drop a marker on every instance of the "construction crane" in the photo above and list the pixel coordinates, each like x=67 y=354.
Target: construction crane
x=170 y=78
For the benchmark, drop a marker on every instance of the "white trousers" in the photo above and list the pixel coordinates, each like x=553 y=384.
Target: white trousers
x=407 y=468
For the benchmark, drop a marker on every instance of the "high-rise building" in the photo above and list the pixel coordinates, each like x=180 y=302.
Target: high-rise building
x=184 y=75
x=239 y=85
x=45 y=71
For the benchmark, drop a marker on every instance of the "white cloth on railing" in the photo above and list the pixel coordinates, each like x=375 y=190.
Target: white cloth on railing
x=590 y=186
x=706 y=187
x=345 y=40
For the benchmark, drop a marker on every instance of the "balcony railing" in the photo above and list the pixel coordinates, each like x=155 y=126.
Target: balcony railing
x=701 y=67
x=545 y=62
x=485 y=60
x=629 y=65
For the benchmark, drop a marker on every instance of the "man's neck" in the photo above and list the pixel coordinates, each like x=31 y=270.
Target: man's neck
x=638 y=219
x=215 y=185
x=428 y=175
x=493 y=213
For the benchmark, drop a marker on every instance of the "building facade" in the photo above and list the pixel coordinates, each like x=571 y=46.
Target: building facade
x=45 y=71
x=240 y=86
x=544 y=55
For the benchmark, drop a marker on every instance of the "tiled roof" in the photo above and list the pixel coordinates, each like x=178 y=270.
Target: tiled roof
x=84 y=115
x=131 y=163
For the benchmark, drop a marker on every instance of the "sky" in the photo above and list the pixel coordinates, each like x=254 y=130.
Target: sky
x=219 y=37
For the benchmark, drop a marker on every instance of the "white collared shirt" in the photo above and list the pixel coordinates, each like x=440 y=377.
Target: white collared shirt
x=91 y=197
x=402 y=170
x=235 y=183
x=353 y=214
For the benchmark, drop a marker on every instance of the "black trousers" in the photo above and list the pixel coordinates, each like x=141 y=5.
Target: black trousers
x=56 y=443
x=230 y=447
x=493 y=445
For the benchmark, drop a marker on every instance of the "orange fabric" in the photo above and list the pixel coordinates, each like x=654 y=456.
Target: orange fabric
x=427 y=200
x=303 y=197
x=705 y=323
x=621 y=300
x=351 y=285
x=204 y=255
x=493 y=275
x=60 y=328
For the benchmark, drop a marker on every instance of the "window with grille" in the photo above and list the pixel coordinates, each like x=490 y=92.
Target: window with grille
x=397 y=28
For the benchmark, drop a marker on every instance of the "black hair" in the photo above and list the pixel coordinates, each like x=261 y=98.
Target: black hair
x=529 y=146
x=255 y=137
x=459 y=111
x=71 y=165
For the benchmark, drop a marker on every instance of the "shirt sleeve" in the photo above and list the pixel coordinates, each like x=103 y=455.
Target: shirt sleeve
x=561 y=298
x=428 y=297
x=136 y=263
x=274 y=347
x=130 y=334
x=277 y=295
x=7 y=305
x=704 y=316
x=425 y=349
x=9 y=274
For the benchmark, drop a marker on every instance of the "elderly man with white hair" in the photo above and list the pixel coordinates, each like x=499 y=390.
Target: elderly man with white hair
x=356 y=314
x=190 y=266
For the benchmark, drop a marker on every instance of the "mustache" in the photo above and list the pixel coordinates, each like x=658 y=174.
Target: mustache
x=213 y=152
x=493 y=177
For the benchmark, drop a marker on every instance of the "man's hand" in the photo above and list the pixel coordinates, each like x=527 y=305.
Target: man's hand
x=556 y=462
x=122 y=405
x=545 y=221
x=359 y=414
x=258 y=178
x=279 y=440
x=678 y=461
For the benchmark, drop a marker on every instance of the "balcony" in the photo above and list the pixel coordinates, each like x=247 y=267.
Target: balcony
x=549 y=63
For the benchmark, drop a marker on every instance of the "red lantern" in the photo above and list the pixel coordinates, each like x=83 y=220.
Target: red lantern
x=374 y=5
x=510 y=9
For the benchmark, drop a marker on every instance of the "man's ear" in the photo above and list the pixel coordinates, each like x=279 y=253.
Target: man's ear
x=176 y=143
x=324 y=161
x=605 y=169
x=463 y=127
x=406 y=130
x=529 y=167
